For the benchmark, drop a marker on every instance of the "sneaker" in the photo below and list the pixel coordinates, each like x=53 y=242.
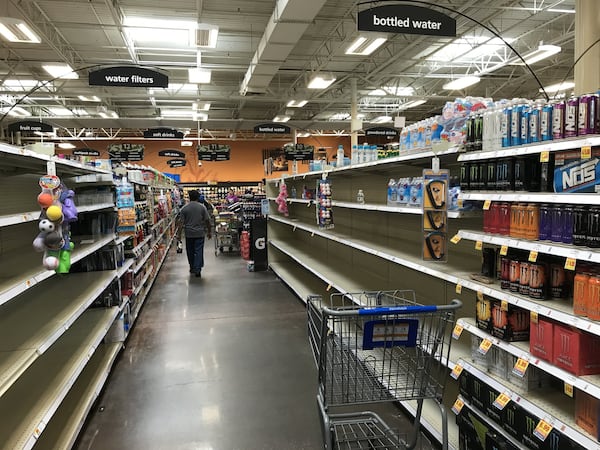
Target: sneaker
x=198 y=274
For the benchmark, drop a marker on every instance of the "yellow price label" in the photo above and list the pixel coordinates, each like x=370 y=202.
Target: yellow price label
x=569 y=390
x=458 y=406
x=456 y=371
x=478 y=245
x=487 y=204
x=501 y=401
x=458 y=329
x=533 y=316
x=504 y=305
x=459 y=288
x=545 y=156
x=570 y=263
x=586 y=152
x=328 y=287
x=312 y=234
x=460 y=202
x=455 y=239
x=485 y=346
x=533 y=254
x=520 y=367
x=542 y=430
x=504 y=250
x=480 y=296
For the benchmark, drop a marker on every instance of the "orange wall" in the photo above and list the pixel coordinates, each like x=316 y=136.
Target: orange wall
x=246 y=163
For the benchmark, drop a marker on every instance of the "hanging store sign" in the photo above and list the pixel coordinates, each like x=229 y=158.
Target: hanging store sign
x=171 y=153
x=30 y=126
x=382 y=132
x=214 y=152
x=126 y=152
x=163 y=133
x=86 y=152
x=299 y=152
x=406 y=19
x=272 y=128
x=176 y=163
x=128 y=76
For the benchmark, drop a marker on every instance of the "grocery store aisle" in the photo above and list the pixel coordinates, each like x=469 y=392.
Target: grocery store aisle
x=217 y=363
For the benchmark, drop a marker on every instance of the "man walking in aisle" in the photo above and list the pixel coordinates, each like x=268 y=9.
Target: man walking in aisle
x=195 y=222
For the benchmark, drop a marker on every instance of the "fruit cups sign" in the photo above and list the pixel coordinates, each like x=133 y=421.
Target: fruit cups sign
x=406 y=19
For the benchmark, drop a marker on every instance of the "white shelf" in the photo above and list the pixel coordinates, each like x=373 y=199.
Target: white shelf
x=532 y=197
x=25 y=269
x=453 y=214
x=68 y=420
x=551 y=248
x=141 y=222
x=140 y=264
x=141 y=244
x=33 y=399
x=142 y=283
x=13 y=219
x=296 y=281
x=31 y=325
x=98 y=207
x=589 y=383
x=431 y=420
x=125 y=267
x=15 y=157
x=549 y=406
x=549 y=146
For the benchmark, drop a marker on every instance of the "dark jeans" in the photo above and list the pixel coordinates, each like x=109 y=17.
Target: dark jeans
x=194 y=247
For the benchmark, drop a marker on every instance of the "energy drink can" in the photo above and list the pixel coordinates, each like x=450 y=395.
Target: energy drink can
x=505 y=272
x=534 y=124
x=538 y=280
x=558 y=281
x=546 y=123
x=580 y=294
x=571 y=117
x=532 y=229
x=514 y=274
x=505 y=126
x=567 y=225
x=588 y=105
x=504 y=218
x=470 y=134
x=580 y=218
x=592 y=237
x=557 y=223
x=593 y=300
x=491 y=176
x=558 y=120
x=524 y=278
x=515 y=125
x=545 y=233
x=478 y=132
x=464 y=176
x=524 y=127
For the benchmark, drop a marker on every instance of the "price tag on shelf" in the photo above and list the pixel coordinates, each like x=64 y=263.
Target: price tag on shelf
x=504 y=305
x=294 y=229
x=568 y=388
x=586 y=152
x=533 y=316
x=533 y=254
x=459 y=288
x=570 y=263
x=456 y=371
x=545 y=156
x=478 y=245
x=487 y=204
x=460 y=202
x=520 y=367
x=458 y=406
x=458 y=329
x=501 y=401
x=328 y=287
x=542 y=430
x=455 y=239
x=485 y=346
x=504 y=250
x=480 y=296
x=312 y=234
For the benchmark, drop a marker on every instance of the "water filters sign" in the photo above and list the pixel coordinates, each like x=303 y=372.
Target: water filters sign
x=128 y=76
x=406 y=19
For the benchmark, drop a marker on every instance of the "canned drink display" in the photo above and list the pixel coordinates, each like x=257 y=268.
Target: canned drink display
x=491 y=181
x=538 y=284
x=587 y=118
x=592 y=238
x=464 y=176
x=558 y=281
x=524 y=278
x=580 y=213
x=514 y=274
x=534 y=124
x=505 y=272
x=478 y=132
x=593 y=299
x=505 y=123
x=557 y=223
x=524 y=127
x=545 y=226
x=567 y=225
x=515 y=211
x=580 y=294
x=504 y=218
x=558 y=120
x=532 y=227
x=515 y=125
x=571 y=117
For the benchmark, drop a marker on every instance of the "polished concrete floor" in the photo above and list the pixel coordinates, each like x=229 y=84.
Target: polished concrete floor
x=220 y=362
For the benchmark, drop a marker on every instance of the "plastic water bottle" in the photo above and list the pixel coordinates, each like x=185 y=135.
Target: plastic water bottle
x=360 y=197
x=340 y=156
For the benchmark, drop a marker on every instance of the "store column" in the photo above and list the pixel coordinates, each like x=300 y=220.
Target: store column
x=587 y=31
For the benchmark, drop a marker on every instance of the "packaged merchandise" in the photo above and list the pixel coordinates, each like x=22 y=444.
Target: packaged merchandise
x=587 y=413
x=573 y=174
x=541 y=339
x=510 y=323
x=576 y=351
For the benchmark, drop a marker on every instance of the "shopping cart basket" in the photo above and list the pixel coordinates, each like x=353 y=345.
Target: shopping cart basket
x=385 y=347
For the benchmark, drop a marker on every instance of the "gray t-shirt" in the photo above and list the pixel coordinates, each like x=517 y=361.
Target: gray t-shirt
x=194 y=217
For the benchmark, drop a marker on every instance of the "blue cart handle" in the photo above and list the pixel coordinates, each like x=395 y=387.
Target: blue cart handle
x=404 y=309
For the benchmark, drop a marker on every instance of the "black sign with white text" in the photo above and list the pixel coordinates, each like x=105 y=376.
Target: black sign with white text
x=126 y=152
x=382 y=132
x=30 y=126
x=86 y=152
x=169 y=153
x=272 y=128
x=128 y=76
x=299 y=152
x=163 y=133
x=406 y=19
x=176 y=163
x=214 y=152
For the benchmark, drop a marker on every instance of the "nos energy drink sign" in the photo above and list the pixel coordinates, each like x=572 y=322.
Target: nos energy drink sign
x=406 y=19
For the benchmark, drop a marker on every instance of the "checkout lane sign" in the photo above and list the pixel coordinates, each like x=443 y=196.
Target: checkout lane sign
x=406 y=19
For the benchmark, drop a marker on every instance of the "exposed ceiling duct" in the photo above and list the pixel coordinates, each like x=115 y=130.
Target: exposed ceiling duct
x=287 y=24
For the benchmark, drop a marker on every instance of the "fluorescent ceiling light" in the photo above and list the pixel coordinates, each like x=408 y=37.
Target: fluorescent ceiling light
x=412 y=104
x=345 y=116
x=179 y=87
x=176 y=113
x=15 y=30
x=66 y=145
x=281 y=118
x=200 y=117
x=469 y=48
x=564 y=86
x=59 y=111
x=61 y=71
x=108 y=114
x=92 y=98
x=200 y=106
x=206 y=35
x=364 y=46
x=17 y=111
x=461 y=83
x=392 y=90
x=186 y=143
x=296 y=103
x=199 y=76
x=23 y=85
x=382 y=119
x=542 y=52
x=321 y=81
x=80 y=112
x=303 y=134
x=147 y=30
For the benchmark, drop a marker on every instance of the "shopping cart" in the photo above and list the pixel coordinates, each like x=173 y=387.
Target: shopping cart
x=384 y=348
x=227 y=238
